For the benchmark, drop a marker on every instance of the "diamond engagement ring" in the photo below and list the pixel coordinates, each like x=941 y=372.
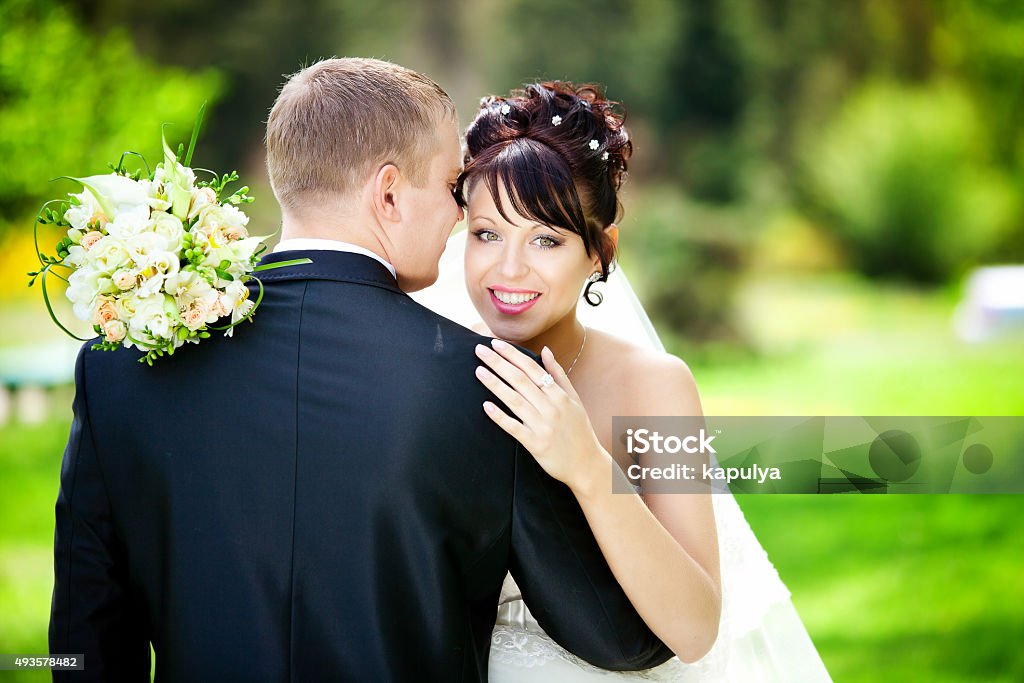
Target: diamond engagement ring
x=546 y=380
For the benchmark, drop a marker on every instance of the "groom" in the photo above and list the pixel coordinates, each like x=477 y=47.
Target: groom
x=321 y=497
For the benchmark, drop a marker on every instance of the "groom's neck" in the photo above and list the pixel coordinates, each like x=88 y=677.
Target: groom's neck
x=331 y=227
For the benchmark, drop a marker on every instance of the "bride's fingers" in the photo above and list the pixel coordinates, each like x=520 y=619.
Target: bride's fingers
x=517 y=378
x=519 y=359
x=522 y=408
x=512 y=427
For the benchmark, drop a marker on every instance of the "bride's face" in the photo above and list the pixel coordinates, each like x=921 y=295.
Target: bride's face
x=523 y=277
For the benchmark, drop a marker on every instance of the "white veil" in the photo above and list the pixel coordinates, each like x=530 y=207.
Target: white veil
x=761 y=637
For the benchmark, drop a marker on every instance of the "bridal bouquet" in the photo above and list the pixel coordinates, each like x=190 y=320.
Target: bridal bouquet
x=152 y=261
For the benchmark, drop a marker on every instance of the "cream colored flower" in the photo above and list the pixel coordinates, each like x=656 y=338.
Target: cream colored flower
x=195 y=314
x=109 y=254
x=170 y=229
x=124 y=279
x=201 y=198
x=90 y=239
x=114 y=330
x=105 y=311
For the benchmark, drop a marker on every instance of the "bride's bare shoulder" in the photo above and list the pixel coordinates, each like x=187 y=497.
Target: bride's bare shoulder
x=649 y=378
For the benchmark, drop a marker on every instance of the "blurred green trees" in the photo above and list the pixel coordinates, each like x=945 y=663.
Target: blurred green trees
x=892 y=130
x=72 y=101
x=904 y=176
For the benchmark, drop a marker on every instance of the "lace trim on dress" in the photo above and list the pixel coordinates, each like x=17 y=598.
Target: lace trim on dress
x=516 y=647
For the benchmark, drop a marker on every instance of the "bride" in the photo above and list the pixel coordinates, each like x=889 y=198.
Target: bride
x=543 y=171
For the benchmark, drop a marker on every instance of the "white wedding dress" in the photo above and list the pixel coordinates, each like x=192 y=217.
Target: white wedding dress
x=761 y=638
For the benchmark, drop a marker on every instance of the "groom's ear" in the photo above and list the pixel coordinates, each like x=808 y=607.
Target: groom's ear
x=385 y=192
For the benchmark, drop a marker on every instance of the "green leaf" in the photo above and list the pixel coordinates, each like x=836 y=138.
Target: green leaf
x=195 y=134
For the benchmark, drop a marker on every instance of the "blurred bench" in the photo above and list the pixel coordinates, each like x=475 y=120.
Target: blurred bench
x=28 y=377
x=993 y=304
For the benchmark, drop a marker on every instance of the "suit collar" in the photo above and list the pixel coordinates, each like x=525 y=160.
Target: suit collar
x=339 y=266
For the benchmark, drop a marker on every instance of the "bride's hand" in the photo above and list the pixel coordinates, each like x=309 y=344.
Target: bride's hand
x=553 y=424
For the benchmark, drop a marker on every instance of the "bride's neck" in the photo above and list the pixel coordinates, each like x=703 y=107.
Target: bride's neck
x=564 y=338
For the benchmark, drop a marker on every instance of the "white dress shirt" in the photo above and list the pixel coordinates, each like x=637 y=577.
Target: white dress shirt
x=317 y=244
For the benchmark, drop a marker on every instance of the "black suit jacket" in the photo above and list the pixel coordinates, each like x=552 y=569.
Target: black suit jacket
x=318 y=498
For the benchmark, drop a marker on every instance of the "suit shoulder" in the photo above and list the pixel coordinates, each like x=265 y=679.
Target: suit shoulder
x=452 y=333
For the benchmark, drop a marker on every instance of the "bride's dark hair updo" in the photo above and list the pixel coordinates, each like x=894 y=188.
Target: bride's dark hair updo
x=560 y=151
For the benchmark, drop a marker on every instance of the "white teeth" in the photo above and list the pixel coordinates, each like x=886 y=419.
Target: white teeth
x=514 y=298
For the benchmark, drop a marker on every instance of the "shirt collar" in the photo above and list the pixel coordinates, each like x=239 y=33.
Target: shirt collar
x=317 y=244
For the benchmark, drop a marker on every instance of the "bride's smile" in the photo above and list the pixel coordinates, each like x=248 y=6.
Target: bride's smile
x=512 y=301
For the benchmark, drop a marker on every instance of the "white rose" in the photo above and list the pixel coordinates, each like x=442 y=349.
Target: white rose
x=219 y=216
x=129 y=222
x=109 y=254
x=154 y=313
x=128 y=306
x=169 y=227
x=149 y=250
x=84 y=286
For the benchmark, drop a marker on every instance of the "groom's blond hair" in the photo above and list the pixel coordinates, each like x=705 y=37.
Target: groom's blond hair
x=338 y=120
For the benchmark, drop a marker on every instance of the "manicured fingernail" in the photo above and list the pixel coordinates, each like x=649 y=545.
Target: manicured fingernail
x=488 y=406
x=498 y=344
x=482 y=350
x=481 y=372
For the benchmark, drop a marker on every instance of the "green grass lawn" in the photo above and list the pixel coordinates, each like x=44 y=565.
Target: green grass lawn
x=838 y=345
x=903 y=588
x=30 y=459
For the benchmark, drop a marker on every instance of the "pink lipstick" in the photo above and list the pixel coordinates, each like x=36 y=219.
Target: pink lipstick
x=516 y=301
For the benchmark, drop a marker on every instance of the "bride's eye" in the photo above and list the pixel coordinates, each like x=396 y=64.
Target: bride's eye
x=486 y=235
x=545 y=242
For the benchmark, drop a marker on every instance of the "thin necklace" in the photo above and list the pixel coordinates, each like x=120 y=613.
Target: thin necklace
x=578 y=354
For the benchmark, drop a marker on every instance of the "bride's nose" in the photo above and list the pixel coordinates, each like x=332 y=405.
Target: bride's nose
x=513 y=265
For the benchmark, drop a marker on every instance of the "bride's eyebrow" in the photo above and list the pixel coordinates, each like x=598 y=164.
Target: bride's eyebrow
x=541 y=226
